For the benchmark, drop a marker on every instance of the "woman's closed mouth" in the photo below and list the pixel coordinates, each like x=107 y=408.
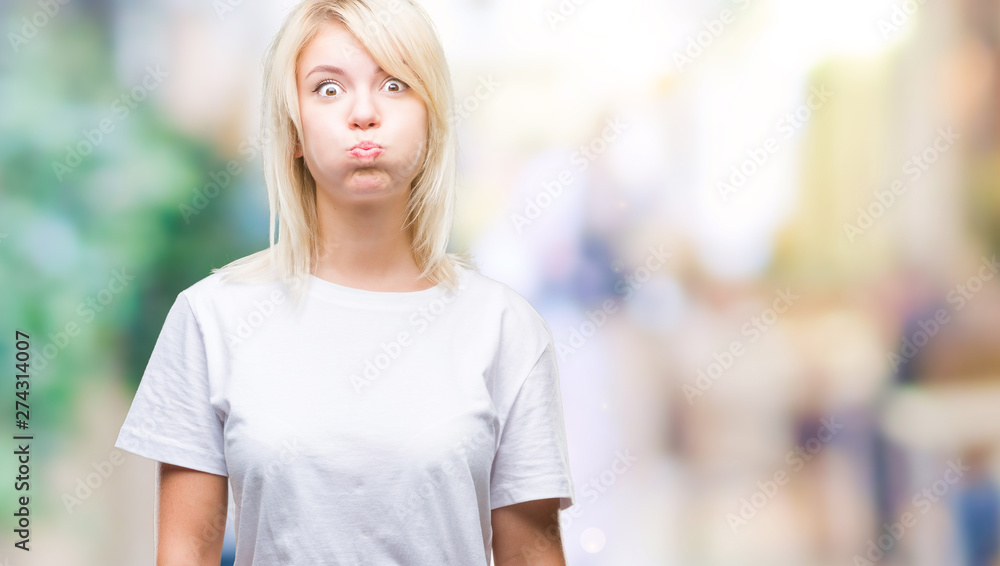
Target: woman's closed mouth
x=366 y=150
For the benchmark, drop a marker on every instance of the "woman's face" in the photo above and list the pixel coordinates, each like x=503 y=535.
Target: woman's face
x=345 y=99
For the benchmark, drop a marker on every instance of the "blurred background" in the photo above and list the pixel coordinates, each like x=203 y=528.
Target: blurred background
x=763 y=233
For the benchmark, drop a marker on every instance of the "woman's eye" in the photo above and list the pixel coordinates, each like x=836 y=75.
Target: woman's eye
x=395 y=85
x=325 y=87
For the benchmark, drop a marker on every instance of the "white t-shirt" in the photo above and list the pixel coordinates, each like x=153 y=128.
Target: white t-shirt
x=365 y=427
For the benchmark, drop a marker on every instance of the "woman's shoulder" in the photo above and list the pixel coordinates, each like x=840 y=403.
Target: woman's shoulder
x=516 y=312
x=220 y=292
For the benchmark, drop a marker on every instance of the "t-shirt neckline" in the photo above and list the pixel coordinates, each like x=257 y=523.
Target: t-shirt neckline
x=354 y=296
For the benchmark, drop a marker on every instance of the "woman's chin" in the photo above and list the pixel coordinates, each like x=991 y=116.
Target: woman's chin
x=362 y=185
x=368 y=181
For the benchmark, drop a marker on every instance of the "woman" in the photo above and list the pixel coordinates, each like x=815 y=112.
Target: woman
x=370 y=397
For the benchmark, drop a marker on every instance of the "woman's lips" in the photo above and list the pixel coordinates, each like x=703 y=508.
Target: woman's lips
x=366 y=153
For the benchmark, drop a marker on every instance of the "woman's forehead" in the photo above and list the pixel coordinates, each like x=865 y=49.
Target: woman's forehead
x=335 y=46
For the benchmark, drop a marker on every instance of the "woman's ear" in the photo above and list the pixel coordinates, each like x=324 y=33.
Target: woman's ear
x=298 y=150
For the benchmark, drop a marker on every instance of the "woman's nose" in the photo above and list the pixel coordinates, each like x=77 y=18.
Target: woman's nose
x=364 y=115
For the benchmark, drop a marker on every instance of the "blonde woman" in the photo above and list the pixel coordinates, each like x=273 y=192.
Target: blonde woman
x=369 y=397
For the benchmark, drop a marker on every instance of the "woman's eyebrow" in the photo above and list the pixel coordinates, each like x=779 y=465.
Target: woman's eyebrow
x=334 y=70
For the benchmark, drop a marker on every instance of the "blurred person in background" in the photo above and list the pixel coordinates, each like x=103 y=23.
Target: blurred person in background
x=977 y=509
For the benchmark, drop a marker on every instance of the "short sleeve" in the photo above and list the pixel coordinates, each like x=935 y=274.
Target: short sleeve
x=532 y=460
x=171 y=418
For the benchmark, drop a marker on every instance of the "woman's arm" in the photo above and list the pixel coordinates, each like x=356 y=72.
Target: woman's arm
x=527 y=534
x=189 y=516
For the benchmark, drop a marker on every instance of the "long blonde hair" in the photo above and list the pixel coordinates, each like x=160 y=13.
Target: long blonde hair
x=401 y=38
